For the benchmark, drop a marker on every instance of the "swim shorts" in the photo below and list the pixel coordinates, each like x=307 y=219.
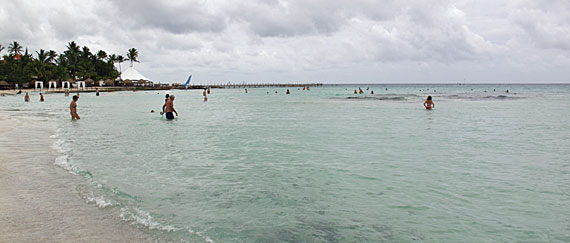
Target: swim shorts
x=169 y=115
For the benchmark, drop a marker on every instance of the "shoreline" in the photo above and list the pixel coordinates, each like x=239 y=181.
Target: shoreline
x=41 y=202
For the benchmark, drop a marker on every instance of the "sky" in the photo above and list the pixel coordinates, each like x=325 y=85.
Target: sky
x=300 y=41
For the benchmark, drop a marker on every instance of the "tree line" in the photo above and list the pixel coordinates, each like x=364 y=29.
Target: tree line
x=75 y=63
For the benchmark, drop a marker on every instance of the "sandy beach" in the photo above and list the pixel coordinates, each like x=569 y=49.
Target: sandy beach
x=40 y=201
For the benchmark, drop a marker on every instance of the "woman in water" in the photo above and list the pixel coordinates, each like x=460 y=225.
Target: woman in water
x=428 y=104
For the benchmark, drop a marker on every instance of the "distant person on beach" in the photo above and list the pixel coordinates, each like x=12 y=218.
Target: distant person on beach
x=66 y=92
x=208 y=90
x=42 y=97
x=170 y=108
x=428 y=104
x=167 y=97
x=287 y=92
x=73 y=108
x=246 y=91
x=27 y=97
x=97 y=92
x=204 y=93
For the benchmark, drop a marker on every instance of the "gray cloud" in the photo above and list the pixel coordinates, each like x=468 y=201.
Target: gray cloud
x=324 y=40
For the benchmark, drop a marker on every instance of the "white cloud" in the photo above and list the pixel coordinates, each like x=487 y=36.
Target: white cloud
x=317 y=40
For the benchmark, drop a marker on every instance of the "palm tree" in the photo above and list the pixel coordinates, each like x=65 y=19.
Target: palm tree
x=120 y=59
x=101 y=55
x=1 y=48
x=72 y=58
x=132 y=55
x=52 y=55
x=15 y=48
x=42 y=56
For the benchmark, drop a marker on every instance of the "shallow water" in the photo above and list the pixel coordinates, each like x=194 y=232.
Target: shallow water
x=326 y=165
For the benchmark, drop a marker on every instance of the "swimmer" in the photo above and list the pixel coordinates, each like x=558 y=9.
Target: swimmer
x=208 y=90
x=204 y=93
x=42 y=97
x=428 y=104
x=360 y=91
x=246 y=91
x=355 y=92
x=372 y=92
x=27 y=97
x=170 y=108
x=97 y=92
x=73 y=108
x=287 y=92
x=167 y=97
x=152 y=111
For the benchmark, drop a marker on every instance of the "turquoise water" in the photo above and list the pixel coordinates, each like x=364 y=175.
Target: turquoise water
x=326 y=165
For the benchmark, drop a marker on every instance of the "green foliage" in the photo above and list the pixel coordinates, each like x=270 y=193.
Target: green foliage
x=75 y=63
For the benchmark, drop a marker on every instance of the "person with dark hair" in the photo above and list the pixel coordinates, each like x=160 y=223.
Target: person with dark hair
x=166 y=98
x=428 y=104
x=170 y=108
x=73 y=108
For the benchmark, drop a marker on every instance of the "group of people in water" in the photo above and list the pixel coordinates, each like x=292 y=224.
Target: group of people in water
x=168 y=107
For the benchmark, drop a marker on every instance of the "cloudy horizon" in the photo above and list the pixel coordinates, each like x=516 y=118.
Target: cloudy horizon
x=359 y=41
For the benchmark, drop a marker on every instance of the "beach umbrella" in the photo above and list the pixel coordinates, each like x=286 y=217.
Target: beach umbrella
x=127 y=82
x=89 y=81
x=109 y=82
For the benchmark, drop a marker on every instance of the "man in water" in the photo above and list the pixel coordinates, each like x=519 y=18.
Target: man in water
x=73 y=108
x=170 y=108
x=42 y=97
x=97 y=92
x=27 y=97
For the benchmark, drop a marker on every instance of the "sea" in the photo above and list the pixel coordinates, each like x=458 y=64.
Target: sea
x=322 y=165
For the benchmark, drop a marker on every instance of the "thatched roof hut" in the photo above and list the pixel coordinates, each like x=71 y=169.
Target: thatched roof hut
x=109 y=82
x=4 y=83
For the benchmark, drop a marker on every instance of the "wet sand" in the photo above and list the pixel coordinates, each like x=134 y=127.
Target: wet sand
x=40 y=201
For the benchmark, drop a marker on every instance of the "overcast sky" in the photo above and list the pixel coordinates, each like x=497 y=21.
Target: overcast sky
x=329 y=41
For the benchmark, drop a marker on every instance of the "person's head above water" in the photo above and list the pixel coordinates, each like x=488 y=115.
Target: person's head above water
x=172 y=97
x=75 y=97
x=167 y=95
x=429 y=97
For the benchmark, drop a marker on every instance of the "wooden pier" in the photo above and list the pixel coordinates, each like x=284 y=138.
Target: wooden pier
x=246 y=85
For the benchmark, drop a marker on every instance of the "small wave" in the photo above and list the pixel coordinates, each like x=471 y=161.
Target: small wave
x=100 y=201
x=144 y=218
x=377 y=98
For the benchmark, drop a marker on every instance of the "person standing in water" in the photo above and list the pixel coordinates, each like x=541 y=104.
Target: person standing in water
x=170 y=108
x=42 y=97
x=27 y=97
x=73 y=108
x=166 y=98
x=97 y=92
x=428 y=104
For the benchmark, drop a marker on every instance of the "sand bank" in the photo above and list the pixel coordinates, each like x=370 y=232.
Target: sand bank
x=40 y=201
